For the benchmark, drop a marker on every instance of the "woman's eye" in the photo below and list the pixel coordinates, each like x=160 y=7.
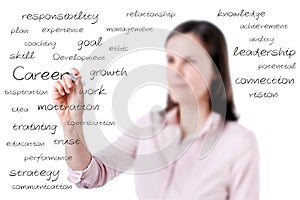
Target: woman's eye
x=170 y=60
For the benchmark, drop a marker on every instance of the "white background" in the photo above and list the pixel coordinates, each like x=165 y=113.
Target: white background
x=274 y=121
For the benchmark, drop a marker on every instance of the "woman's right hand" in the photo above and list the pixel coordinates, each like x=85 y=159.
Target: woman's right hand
x=66 y=93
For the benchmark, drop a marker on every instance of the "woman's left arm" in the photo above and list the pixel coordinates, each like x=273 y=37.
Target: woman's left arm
x=244 y=184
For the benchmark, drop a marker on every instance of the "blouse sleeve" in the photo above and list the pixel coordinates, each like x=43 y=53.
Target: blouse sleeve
x=245 y=172
x=111 y=161
x=106 y=164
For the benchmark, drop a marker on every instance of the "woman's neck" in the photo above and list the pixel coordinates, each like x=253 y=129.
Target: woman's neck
x=193 y=119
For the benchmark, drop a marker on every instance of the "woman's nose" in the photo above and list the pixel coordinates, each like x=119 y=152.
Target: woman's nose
x=179 y=67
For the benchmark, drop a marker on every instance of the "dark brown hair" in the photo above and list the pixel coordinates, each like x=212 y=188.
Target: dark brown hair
x=215 y=44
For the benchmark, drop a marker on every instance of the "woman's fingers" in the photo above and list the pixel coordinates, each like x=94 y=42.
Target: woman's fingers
x=78 y=83
x=66 y=85
x=68 y=82
x=58 y=87
x=74 y=71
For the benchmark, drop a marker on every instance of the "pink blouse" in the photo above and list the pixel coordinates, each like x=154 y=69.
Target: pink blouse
x=168 y=168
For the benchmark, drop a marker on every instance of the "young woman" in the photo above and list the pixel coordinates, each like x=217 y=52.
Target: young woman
x=200 y=99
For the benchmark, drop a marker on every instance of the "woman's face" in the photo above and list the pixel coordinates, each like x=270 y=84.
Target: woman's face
x=189 y=69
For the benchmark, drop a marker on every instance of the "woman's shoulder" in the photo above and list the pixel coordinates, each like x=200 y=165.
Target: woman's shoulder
x=238 y=136
x=236 y=129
